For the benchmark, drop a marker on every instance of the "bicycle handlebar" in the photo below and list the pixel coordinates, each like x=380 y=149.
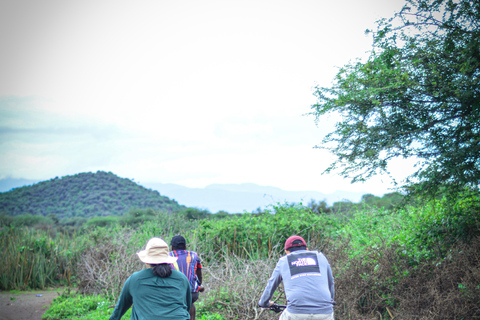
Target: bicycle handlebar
x=277 y=307
x=280 y=307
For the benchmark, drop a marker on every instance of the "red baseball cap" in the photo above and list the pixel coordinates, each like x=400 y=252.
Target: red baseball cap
x=298 y=242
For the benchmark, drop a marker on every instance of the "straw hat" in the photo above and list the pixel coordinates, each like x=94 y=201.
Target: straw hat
x=156 y=252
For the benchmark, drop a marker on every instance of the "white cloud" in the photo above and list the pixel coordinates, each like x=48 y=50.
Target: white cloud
x=189 y=92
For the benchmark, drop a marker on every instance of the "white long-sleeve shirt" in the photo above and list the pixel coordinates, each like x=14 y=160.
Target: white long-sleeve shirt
x=308 y=282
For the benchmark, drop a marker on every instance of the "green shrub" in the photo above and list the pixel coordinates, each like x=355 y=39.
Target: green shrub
x=210 y=316
x=29 y=220
x=101 y=222
x=137 y=216
x=5 y=220
x=425 y=232
x=73 y=305
x=372 y=228
x=442 y=223
x=257 y=236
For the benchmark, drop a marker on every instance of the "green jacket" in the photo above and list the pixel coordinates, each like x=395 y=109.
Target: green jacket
x=154 y=297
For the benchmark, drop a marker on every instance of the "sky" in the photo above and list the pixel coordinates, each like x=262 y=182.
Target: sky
x=187 y=92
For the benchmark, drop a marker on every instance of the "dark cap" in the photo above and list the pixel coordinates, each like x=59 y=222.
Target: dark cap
x=294 y=241
x=177 y=241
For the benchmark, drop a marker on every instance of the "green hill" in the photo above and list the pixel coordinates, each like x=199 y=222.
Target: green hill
x=83 y=195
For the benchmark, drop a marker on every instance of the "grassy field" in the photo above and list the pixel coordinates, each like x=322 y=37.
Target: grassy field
x=420 y=262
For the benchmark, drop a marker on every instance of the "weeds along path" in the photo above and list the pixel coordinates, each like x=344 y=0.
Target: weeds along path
x=25 y=305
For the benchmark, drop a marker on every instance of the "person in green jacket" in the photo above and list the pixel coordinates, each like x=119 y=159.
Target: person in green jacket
x=158 y=292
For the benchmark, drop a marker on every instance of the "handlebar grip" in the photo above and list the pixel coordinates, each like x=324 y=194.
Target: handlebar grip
x=277 y=307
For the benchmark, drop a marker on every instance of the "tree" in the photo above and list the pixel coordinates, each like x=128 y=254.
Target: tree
x=320 y=207
x=195 y=213
x=417 y=95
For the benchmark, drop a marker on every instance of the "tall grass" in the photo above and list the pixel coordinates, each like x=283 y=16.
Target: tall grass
x=234 y=286
x=32 y=259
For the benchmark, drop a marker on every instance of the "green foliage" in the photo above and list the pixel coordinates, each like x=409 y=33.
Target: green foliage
x=195 y=213
x=29 y=220
x=415 y=97
x=5 y=220
x=103 y=311
x=101 y=222
x=68 y=226
x=421 y=233
x=33 y=259
x=440 y=224
x=217 y=300
x=371 y=228
x=319 y=207
x=83 y=195
x=415 y=258
x=210 y=316
x=137 y=216
x=73 y=305
x=165 y=226
x=377 y=254
x=261 y=235
x=387 y=201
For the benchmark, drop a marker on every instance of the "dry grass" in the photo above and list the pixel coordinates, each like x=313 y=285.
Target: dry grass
x=105 y=268
x=449 y=289
x=234 y=286
x=382 y=285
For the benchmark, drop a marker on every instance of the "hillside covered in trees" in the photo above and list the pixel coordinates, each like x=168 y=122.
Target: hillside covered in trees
x=84 y=195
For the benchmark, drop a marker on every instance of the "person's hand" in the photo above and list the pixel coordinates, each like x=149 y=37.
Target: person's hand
x=270 y=303
x=201 y=288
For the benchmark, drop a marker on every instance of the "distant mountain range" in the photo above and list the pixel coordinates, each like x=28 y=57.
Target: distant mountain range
x=237 y=198
x=231 y=198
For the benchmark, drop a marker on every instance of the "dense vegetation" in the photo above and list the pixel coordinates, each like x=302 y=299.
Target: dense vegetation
x=83 y=195
x=420 y=261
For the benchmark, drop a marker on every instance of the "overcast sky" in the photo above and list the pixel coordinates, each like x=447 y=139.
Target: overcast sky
x=187 y=92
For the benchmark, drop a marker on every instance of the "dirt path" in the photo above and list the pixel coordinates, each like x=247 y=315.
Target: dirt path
x=25 y=305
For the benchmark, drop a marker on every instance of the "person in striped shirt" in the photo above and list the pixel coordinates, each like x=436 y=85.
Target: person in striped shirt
x=189 y=264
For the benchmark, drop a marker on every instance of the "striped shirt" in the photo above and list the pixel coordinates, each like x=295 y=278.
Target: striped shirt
x=188 y=263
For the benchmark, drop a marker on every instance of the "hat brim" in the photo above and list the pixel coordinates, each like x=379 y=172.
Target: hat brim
x=145 y=258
